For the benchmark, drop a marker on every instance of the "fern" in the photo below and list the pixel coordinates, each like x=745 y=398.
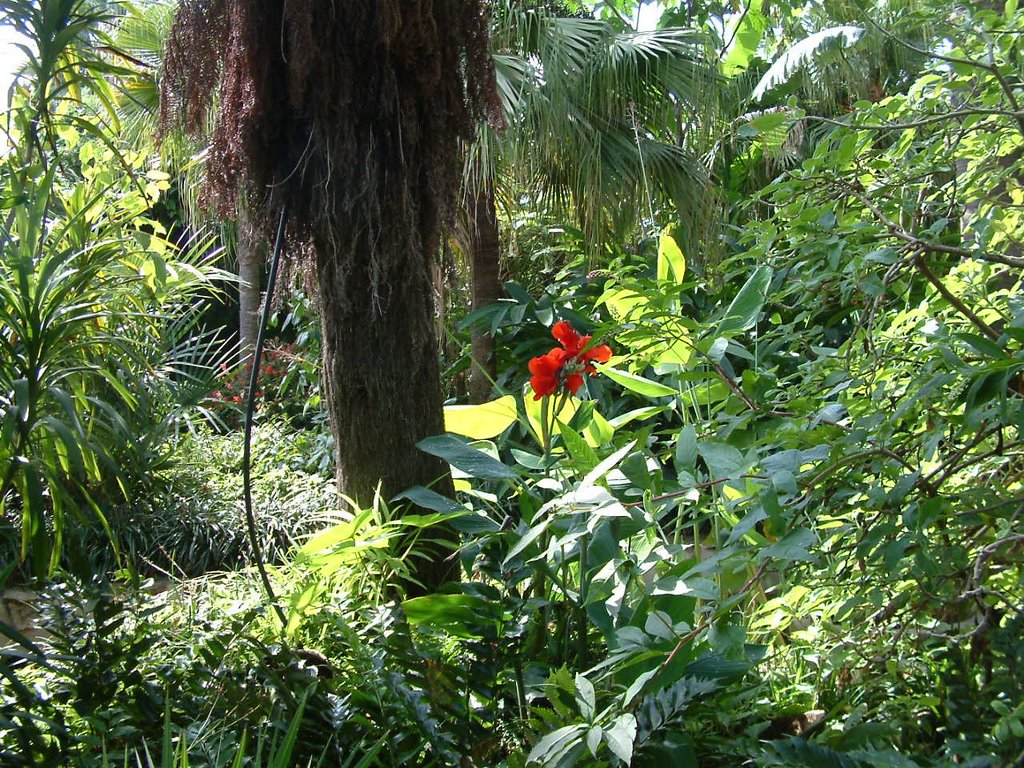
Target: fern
x=659 y=711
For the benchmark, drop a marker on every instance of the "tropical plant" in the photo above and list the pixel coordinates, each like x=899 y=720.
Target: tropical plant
x=591 y=112
x=99 y=308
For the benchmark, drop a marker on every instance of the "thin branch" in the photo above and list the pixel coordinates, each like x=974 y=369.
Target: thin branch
x=689 y=636
x=929 y=120
x=917 y=243
x=991 y=67
x=922 y=482
x=962 y=308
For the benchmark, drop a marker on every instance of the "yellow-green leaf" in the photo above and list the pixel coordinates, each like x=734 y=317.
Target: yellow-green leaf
x=483 y=421
x=671 y=262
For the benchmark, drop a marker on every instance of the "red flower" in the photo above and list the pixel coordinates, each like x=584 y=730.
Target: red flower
x=545 y=370
x=568 y=337
x=567 y=365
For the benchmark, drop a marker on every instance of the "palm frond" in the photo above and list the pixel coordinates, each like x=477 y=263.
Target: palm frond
x=803 y=52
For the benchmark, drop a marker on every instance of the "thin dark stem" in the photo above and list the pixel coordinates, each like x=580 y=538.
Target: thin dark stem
x=962 y=308
x=250 y=401
x=991 y=67
x=928 y=120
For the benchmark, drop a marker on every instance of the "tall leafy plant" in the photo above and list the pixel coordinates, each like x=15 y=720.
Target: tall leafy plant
x=96 y=305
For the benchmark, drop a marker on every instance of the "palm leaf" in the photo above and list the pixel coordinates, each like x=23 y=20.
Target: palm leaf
x=803 y=52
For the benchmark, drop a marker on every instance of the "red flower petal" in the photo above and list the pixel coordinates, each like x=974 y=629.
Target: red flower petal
x=568 y=337
x=599 y=354
x=545 y=370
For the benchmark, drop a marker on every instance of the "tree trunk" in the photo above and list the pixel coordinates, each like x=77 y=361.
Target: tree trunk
x=382 y=380
x=248 y=252
x=486 y=269
x=349 y=116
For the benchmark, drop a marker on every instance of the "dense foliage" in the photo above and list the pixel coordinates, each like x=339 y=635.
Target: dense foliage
x=749 y=491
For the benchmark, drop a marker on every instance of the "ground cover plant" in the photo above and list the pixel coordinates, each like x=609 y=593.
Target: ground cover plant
x=745 y=484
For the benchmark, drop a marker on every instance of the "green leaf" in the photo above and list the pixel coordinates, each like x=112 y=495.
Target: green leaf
x=637 y=686
x=764 y=123
x=713 y=666
x=686 y=449
x=641 y=414
x=582 y=454
x=607 y=464
x=623 y=303
x=743 y=312
x=794 y=546
x=803 y=51
x=466 y=458
x=694 y=586
x=635 y=383
x=586 y=698
x=460 y=518
x=620 y=737
x=531 y=536
x=671 y=262
x=723 y=460
x=550 y=749
x=458 y=615
x=745 y=31
x=428 y=499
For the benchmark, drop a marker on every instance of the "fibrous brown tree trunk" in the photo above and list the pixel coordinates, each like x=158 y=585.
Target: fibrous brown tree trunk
x=382 y=380
x=349 y=117
x=486 y=273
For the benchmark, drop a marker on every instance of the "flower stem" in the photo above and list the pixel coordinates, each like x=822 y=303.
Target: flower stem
x=545 y=427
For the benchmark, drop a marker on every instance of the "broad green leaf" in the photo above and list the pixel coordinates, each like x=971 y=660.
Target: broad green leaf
x=671 y=262
x=635 y=383
x=713 y=666
x=694 y=586
x=586 y=697
x=723 y=460
x=686 y=448
x=458 y=615
x=550 y=749
x=428 y=499
x=637 y=686
x=534 y=410
x=803 y=51
x=599 y=431
x=582 y=454
x=483 y=421
x=623 y=303
x=743 y=311
x=607 y=465
x=466 y=458
x=641 y=414
x=620 y=736
x=794 y=546
x=745 y=31
x=340 y=534
x=765 y=122
x=531 y=536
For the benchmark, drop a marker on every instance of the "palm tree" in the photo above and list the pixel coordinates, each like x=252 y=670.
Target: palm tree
x=591 y=111
x=348 y=118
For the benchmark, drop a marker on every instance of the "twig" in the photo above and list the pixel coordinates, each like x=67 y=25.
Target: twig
x=962 y=308
x=920 y=123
